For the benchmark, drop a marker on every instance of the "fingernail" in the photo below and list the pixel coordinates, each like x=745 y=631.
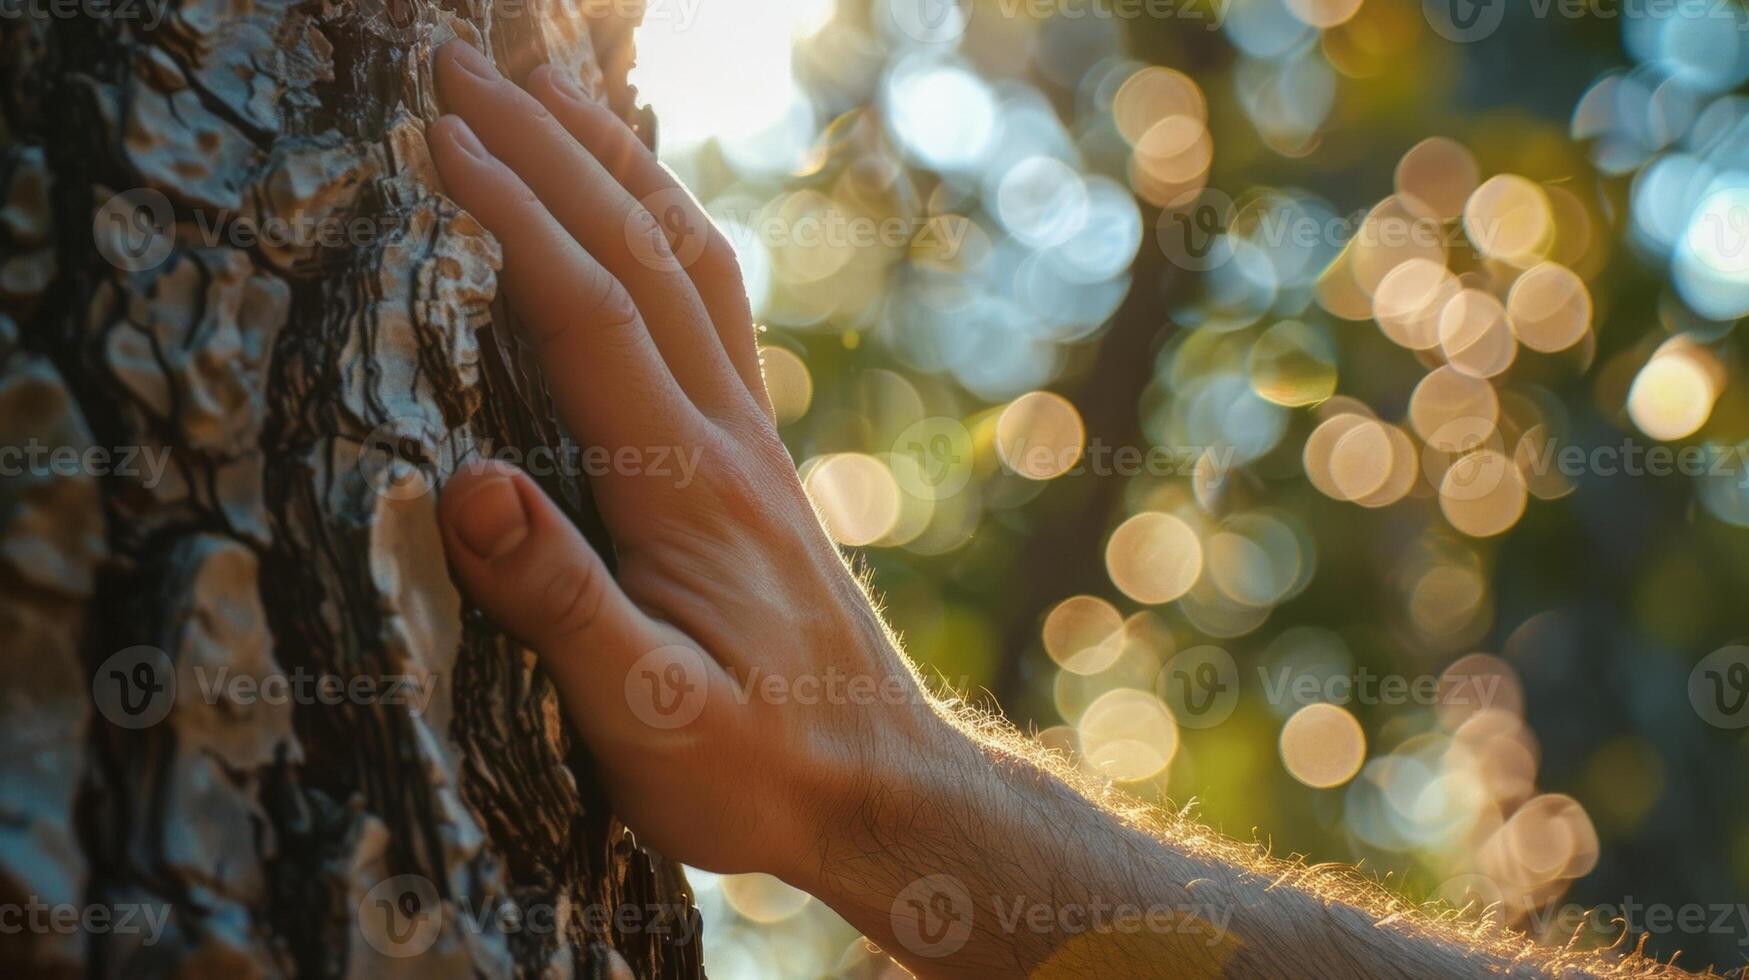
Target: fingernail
x=490 y=519
x=473 y=62
x=463 y=136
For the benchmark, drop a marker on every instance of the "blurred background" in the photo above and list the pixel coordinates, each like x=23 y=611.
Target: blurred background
x=1327 y=413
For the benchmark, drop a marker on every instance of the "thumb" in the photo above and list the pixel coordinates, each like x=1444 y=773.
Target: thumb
x=527 y=567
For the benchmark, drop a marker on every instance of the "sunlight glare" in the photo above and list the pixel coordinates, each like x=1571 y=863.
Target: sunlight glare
x=723 y=69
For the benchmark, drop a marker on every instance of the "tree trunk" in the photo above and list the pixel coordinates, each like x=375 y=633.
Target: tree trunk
x=250 y=727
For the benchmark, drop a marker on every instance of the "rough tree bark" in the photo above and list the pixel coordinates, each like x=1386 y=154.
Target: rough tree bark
x=223 y=248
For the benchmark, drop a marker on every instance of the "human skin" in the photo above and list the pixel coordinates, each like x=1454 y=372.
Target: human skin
x=746 y=706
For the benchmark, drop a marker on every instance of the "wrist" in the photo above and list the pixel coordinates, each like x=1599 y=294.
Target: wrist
x=899 y=791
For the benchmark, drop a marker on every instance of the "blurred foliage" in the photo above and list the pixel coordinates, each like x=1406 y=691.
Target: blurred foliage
x=1264 y=402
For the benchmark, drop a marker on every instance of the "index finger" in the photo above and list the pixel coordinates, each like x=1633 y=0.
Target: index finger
x=577 y=310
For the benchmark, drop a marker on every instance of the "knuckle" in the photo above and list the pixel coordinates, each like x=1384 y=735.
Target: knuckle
x=571 y=602
x=648 y=241
x=609 y=306
x=719 y=261
x=738 y=491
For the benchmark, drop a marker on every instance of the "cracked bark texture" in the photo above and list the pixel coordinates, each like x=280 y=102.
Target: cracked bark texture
x=309 y=388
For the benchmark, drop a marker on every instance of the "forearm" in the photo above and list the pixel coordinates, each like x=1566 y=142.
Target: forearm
x=975 y=862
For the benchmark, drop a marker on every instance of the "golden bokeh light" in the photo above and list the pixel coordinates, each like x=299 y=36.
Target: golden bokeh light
x=762 y=898
x=1040 y=436
x=1550 y=308
x=1361 y=461
x=1393 y=233
x=1154 y=94
x=1292 y=365
x=1483 y=494
x=1474 y=335
x=1320 y=451
x=1400 y=480
x=1446 y=600
x=1674 y=394
x=856 y=495
x=1550 y=838
x=1127 y=735
x=1323 y=14
x=1084 y=634
x=1154 y=558
x=1439 y=175
x=1410 y=300
x=1171 y=160
x=787 y=382
x=1449 y=408
x=1322 y=746
x=1509 y=218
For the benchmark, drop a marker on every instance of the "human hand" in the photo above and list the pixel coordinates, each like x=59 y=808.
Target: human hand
x=725 y=580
